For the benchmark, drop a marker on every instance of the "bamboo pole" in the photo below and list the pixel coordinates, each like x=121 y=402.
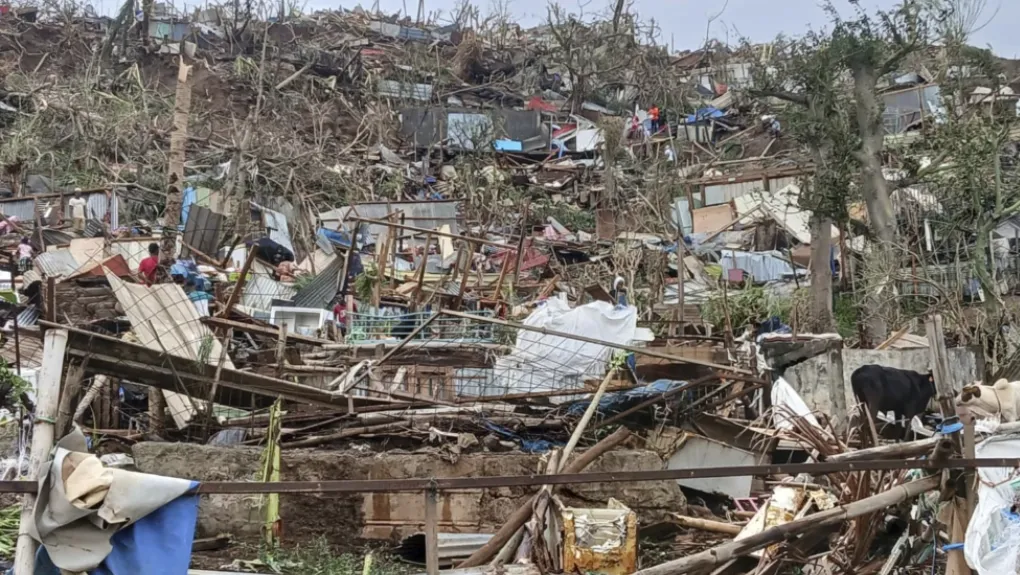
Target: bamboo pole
x=47 y=402
x=893 y=451
x=727 y=551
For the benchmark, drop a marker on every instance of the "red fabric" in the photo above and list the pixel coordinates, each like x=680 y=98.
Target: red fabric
x=148 y=269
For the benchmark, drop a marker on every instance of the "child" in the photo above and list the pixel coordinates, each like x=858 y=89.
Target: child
x=25 y=252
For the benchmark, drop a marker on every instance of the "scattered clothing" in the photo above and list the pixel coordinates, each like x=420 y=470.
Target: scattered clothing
x=7 y=225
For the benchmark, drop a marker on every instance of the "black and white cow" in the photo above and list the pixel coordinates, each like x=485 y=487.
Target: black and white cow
x=884 y=389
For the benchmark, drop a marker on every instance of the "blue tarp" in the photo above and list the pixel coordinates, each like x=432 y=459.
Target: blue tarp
x=622 y=400
x=508 y=145
x=337 y=237
x=158 y=544
x=704 y=114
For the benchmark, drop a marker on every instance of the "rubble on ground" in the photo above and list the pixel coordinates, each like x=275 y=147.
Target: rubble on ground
x=400 y=250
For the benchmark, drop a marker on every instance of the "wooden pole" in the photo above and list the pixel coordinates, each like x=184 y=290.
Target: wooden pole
x=239 y=285
x=892 y=451
x=707 y=525
x=723 y=553
x=431 y=532
x=520 y=244
x=47 y=402
x=940 y=371
x=420 y=272
x=469 y=254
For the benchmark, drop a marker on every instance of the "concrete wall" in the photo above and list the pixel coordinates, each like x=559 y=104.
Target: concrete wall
x=820 y=390
x=390 y=515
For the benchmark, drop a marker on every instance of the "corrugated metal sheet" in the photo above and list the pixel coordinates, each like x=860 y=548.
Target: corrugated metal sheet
x=56 y=264
x=427 y=215
x=21 y=209
x=28 y=316
x=722 y=193
x=323 y=288
x=134 y=251
x=202 y=231
x=56 y=237
x=276 y=225
x=261 y=290
x=404 y=90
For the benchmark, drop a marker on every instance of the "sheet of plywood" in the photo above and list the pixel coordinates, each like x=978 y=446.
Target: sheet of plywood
x=712 y=218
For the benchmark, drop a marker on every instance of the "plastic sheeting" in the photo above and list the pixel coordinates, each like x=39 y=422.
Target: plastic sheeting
x=787 y=404
x=992 y=543
x=612 y=403
x=542 y=362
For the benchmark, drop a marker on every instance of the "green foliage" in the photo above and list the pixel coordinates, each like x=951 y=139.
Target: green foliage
x=364 y=284
x=302 y=281
x=10 y=522
x=845 y=313
x=747 y=307
x=15 y=386
x=319 y=558
x=573 y=218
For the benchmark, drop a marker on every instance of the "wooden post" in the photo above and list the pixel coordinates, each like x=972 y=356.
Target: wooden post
x=431 y=532
x=48 y=399
x=281 y=347
x=469 y=254
x=420 y=272
x=520 y=243
x=681 y=272
x=940 y=371
x=239 y=285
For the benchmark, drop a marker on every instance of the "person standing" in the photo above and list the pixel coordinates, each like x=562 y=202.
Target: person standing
x=653 y=115
x=77 y=205
x=147 y=267
x=25 y=253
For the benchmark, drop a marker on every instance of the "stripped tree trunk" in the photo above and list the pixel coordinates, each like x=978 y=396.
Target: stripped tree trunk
x=875 y=190
x=178 y=146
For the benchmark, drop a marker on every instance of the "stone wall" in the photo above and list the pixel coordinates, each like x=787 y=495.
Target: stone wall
x=389 y=515
x=814 y=381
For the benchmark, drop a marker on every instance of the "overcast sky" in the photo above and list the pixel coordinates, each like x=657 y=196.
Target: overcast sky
x=683 y=21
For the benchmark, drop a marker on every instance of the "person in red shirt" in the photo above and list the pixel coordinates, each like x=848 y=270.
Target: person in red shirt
x=147 y=268
x=340 y=314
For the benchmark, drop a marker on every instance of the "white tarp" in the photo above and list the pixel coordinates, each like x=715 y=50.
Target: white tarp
x=992 y=543
x=787 y=404
x=542 y=362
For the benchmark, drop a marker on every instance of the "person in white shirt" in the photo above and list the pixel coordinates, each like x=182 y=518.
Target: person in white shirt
x=77 y=205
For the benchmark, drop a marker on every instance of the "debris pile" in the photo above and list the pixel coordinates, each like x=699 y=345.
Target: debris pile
x=554 y=278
